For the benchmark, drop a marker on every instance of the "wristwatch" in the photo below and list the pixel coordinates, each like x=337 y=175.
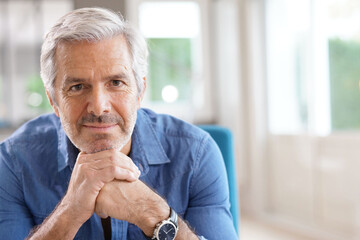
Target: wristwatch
x=167 y=229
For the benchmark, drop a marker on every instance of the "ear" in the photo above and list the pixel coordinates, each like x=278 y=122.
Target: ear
x=142 y=93
x=54 y=106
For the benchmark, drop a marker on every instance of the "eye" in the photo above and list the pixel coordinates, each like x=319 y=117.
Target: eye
x=76 y=87
x=116 y=83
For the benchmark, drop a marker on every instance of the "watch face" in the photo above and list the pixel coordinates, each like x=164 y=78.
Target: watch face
x=167 y=232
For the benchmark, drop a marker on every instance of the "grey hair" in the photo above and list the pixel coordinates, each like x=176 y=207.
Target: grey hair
x=92 y=25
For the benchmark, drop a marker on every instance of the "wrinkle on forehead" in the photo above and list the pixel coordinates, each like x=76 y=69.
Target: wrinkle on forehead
x=90 y=58
x=93 y=52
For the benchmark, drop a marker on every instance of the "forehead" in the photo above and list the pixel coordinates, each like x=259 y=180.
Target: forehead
x=104 y=56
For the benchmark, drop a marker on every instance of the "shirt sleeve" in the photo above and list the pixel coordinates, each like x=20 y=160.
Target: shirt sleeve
x=208 y=212
x=15 y=219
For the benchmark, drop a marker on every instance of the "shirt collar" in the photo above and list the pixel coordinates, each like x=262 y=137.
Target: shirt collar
x=145 y=142
x=146 y=148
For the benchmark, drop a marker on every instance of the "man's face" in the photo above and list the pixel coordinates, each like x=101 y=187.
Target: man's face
x=96 y=96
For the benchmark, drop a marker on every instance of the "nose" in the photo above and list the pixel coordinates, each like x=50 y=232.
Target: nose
x=99 y=101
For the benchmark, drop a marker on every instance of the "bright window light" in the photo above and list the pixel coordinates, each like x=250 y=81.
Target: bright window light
x=169 y=93
x=173 y=34
x=312 y=68
x=167 y=19
x=35 y=99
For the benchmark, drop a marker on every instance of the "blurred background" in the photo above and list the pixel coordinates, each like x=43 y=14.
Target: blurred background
x=283 y=75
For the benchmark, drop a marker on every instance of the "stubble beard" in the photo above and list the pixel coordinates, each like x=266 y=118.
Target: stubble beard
x=100 y=142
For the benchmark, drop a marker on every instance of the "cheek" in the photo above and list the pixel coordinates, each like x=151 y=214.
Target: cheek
x=125 y=104
x=124 y=109
x=72 y=111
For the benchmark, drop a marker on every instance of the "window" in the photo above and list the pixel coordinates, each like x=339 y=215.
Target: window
x=344 y=63
x=313 y=50
x=172 y=43
x=23 y=24
x=177 y=69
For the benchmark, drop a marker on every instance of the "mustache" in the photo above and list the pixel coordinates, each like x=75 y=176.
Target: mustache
x=105 y=118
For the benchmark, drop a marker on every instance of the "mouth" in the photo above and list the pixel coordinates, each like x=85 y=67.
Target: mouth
x=100 y=128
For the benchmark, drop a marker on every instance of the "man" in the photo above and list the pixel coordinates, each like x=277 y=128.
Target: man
x=102 y=167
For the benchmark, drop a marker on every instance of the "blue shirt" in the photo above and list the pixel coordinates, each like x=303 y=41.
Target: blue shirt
x=178 y=160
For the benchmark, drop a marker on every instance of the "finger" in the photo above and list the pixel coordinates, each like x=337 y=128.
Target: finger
x=115 y=157
x=88 y=157
x=123 y=162
x=110 y=173
x=109 y=162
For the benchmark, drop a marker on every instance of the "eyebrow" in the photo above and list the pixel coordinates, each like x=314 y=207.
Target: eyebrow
x=123 y=76
x=72 y=80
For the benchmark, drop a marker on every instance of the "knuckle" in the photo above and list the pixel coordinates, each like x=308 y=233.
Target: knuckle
x=81 y=157
x=128 y=162
x=113 y=151
x=126 y=158
x=112 y=159
x=112 y=169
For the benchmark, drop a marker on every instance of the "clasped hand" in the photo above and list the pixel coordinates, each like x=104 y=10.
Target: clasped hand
x=107 y=183
x=90 y=174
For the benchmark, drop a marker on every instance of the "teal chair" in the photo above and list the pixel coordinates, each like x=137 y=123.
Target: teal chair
x=224 y=139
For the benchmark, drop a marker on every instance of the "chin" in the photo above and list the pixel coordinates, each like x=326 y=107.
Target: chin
x=102 y=145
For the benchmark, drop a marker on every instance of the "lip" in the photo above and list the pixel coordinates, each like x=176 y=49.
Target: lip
x=100 y=128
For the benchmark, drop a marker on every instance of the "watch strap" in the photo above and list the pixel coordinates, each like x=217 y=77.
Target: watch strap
x=173 y=217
